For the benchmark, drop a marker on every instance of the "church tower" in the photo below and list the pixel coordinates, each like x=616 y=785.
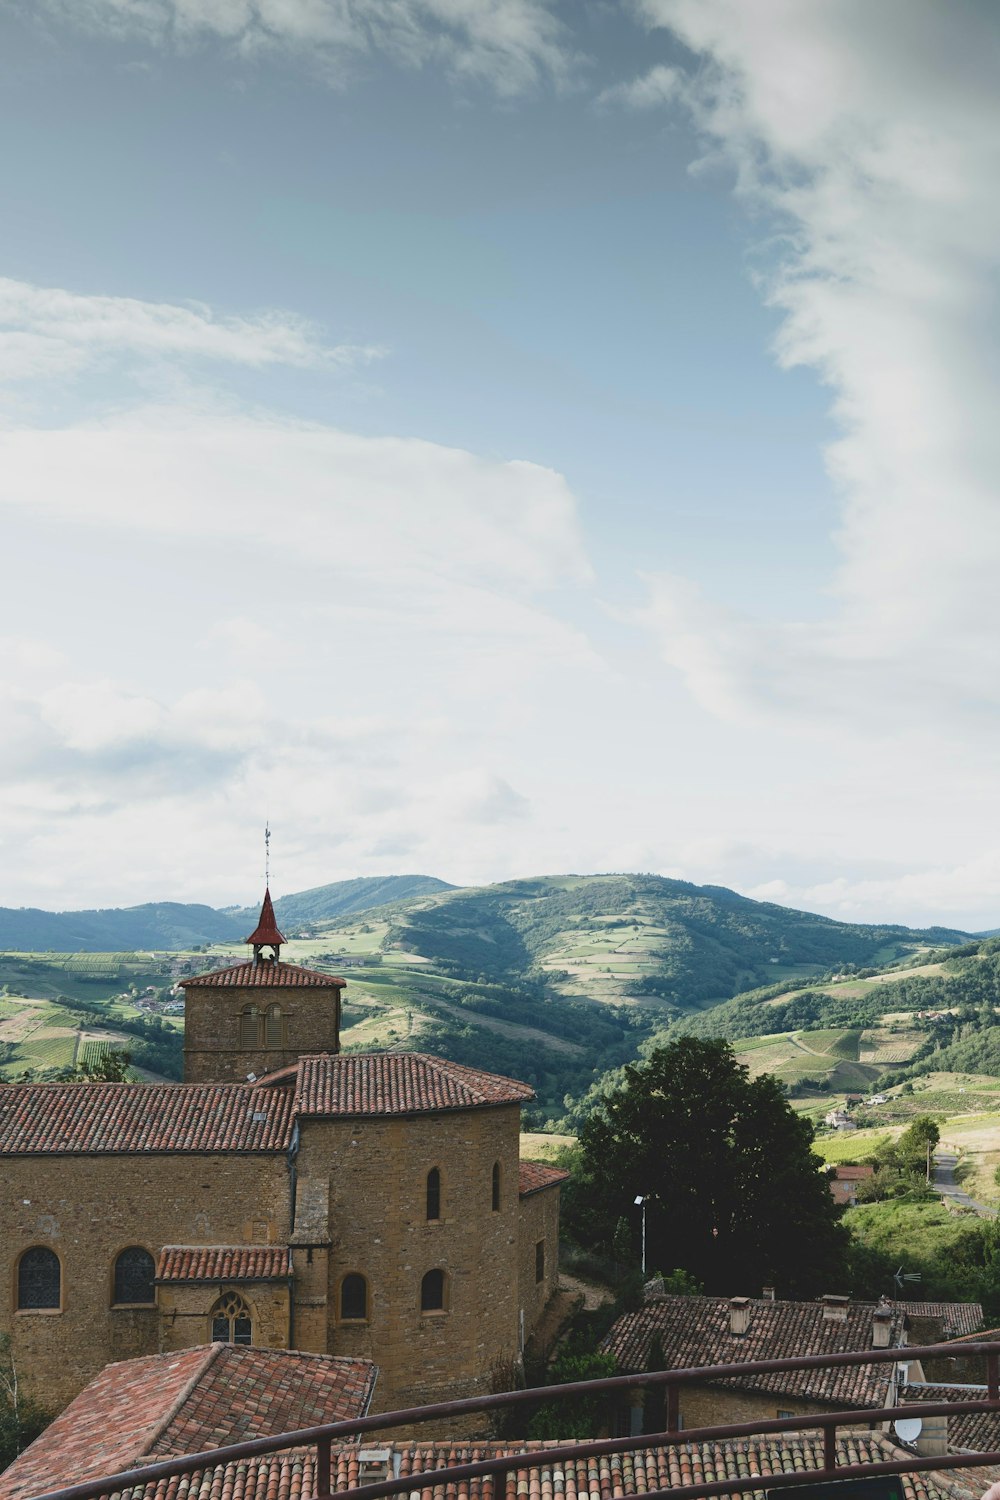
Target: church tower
x=259 y=1016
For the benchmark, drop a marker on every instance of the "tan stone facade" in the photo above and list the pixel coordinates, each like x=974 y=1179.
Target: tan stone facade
x=230 y=1033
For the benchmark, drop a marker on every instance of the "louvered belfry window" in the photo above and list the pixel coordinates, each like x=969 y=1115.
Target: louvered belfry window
x=39 y=1279
x=134 y=1272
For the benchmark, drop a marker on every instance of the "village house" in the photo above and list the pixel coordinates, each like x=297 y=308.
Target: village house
x=844 y=1182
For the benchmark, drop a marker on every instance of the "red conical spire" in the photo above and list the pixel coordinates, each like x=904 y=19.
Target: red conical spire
x=266 y=933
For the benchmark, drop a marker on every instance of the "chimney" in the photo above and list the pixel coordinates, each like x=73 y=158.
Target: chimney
x=881 y=1328
x=834 y=1308
x=739 y=1315
x=768 y=1294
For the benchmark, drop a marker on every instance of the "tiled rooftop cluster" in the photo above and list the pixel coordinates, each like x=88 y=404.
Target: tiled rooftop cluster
x=534 y=1175
x=224 y=1263
x=696 y=1331
x=291 y=1476
x=166 y=1405
x=957 y=1319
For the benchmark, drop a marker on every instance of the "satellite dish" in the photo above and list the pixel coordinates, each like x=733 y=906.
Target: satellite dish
x=908 y=1429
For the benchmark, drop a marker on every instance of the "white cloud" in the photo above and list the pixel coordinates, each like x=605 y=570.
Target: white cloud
x=868 y=134
x=661 y=85
x=508 y=44
x=47 y=331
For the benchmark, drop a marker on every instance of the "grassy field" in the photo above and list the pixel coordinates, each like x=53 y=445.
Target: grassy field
x=536 y=1146
x=923 y=1228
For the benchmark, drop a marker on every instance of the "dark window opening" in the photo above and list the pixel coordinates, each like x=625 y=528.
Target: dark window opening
x=134 y=1272
x=39 y=1279
x=540 y=1260
x=434 y=1193
x=432 y=1292
x=496 y=1187
x=231 y=1320
x=354 y=1297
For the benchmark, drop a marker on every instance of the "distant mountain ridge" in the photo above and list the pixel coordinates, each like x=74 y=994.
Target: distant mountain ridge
x=172 y=925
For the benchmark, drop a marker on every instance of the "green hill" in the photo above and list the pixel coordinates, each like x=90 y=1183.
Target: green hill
x=155 y=925
x=344 y=898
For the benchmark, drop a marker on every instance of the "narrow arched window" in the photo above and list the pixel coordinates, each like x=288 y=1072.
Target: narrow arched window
x=134 y=1272
x=354 y=1298
x=273 y=1029
x=434 y=1193
x=39 y=1279
x=231 y=1320
x=249 y=1027
x=496 y=1187
x=432 y=1292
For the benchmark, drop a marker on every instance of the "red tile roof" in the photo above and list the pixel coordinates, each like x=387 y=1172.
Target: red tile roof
x=533 y=1176
x=266 y=930
x=166 y=1405
x=268 y=974
x=292 y=1475
x=968 y=1432
x=103 y=1118
x=224 y=1263
x=397 y=1083
x=956 y=1318
x=852 y=1174
x=695 y=1331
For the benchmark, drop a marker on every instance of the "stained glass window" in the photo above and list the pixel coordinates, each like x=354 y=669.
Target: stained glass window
x=39 y=1279
x=134 y=1272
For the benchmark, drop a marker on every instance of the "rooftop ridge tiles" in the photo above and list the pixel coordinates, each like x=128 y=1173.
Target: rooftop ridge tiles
x=269 y=974
x=346 y=1085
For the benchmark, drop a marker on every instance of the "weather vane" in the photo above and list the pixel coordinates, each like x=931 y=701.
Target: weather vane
x=267 y=854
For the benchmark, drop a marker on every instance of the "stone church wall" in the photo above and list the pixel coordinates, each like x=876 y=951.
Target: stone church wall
x=539 y=1225
x=213 y=1052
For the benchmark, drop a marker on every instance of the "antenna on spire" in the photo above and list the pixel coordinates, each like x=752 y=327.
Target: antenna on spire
x=267 y=854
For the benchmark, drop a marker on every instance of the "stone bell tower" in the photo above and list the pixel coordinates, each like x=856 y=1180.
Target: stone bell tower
x=259 y=1016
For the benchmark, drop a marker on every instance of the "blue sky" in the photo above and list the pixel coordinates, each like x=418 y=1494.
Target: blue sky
x=492 y=437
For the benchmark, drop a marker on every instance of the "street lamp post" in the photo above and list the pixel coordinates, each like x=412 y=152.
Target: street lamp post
x=641 y=1199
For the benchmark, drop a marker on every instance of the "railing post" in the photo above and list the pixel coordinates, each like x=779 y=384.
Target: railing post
x=992 y=1384
x=323 y=1465
x=673 y=1407
x=829 y=1445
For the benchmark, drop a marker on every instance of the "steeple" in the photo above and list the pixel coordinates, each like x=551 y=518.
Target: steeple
x=266 y=933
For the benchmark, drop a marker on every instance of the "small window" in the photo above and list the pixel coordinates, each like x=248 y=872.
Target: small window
x=39 y=1279
x=134 y=1272
x=249 y=1027
x=782 y=1413
x=432 y=1292
x=540 y=1260
x=231 y=1320
x=496 y=1187
x=434 y=1193
x=354 y=1298
x=274 y=1035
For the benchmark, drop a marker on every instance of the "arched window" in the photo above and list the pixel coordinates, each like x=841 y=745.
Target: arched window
x=434 y=1193
x=432 y=1292
x=274 y=1034
x=39 y=1279
x=134 y=1272
x=231 y=1320
x=249 y=1027
x=496 y=1187
x=354 y=1298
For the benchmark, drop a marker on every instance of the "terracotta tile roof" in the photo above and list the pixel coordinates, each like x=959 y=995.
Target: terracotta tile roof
x=534 y=1175
x=968 y=1432
x=695 y=1331
x=266 y=975
x=852 y=1174
x=166 y=1405
x=397 y=1083
x=101 y=1118
x=956 y=1318
x=292 y=1475
x=224 y=1263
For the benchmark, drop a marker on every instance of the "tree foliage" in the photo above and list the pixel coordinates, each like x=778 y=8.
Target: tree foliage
x=21 y=1418
x=734 y=1192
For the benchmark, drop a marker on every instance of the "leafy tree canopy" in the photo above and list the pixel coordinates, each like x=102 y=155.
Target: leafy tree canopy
x=734 y=1193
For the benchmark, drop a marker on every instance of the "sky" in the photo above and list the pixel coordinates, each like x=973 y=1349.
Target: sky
x=491 y=438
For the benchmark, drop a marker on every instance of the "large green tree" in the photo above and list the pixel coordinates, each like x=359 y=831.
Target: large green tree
x=734 y=1193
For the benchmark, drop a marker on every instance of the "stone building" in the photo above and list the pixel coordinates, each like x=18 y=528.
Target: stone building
x=368 y=1205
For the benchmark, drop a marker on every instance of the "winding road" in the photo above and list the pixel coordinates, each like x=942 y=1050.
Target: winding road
x=945 y=1162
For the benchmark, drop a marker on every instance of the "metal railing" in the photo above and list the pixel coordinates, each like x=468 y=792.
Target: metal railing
x=323 y=1438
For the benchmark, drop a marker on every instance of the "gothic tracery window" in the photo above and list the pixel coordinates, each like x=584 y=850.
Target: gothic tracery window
x=134 y=1273
x=231 y=1320
x=39 y=1279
